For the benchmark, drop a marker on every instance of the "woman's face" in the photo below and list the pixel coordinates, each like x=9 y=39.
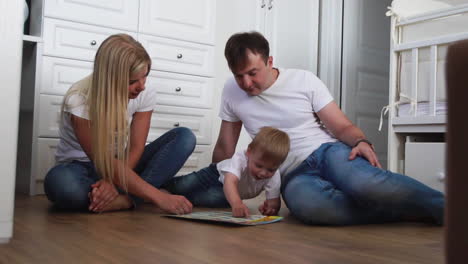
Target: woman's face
x=137 y=83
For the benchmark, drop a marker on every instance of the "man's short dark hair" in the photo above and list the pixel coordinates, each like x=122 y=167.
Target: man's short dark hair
x=238 y=44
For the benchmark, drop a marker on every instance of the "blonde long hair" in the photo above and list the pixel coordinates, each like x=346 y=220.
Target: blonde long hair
x=119 y=57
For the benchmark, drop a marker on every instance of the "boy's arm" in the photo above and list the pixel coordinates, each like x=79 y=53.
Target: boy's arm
x=270 y=206
x=232 y=195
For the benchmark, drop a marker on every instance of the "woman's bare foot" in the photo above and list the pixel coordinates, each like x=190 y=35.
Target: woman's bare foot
x=122 y=202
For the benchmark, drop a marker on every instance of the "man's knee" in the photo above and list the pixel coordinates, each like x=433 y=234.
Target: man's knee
x=312 y=208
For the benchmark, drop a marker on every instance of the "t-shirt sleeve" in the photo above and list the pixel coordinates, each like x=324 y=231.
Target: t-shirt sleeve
x=272 y=188
x=320 y=94
x=226 y=112
x=75 y=104
x=234 y=165
x=148 y=100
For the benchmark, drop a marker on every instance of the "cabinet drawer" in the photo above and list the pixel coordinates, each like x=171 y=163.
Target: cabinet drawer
x=46 y=148
x=200 y=158
x=165 y=118
x=181 y=89
x=49 y=115
x=73 y=40
x=120 y=14
x=191 y=20
x=58 y=74
x=425 y=161
x=179 y=56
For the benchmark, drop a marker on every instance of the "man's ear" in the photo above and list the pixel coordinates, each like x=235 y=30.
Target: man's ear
x=270 y=61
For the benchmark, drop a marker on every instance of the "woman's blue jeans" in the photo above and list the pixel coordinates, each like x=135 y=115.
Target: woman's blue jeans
x=201 y=188
x=67 y=185
x=329 y=189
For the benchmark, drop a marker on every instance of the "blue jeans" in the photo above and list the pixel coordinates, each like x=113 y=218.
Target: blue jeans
x=201 y=188
x=329 y=189
x=67 y=185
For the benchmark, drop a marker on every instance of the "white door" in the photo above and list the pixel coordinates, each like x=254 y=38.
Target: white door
x=191 y=20
x=292 y=29
x=366 y=50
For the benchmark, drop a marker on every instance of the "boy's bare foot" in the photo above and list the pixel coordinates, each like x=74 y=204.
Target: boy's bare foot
x=122 y=202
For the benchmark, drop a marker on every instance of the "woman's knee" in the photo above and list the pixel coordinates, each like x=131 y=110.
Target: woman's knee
x=186 y=138
x=66 y=188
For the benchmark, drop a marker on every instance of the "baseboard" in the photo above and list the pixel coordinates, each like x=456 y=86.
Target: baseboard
x=6 y=231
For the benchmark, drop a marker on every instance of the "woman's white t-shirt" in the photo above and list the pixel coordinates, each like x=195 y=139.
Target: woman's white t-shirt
x=69 y=148
x=248 y=186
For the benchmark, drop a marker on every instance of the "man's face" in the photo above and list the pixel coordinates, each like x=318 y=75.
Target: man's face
x=256 y=76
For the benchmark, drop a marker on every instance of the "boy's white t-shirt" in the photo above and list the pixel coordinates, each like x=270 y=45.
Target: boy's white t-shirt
x=69 y=148
x=248 y=186
x=288 y=104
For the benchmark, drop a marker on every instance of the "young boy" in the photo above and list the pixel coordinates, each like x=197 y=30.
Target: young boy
x=245 y=175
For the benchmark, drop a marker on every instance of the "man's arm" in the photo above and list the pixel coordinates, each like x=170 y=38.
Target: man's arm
x=227 y=140
x=337 y=122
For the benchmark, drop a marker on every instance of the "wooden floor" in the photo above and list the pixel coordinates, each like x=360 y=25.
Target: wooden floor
x=43 y=235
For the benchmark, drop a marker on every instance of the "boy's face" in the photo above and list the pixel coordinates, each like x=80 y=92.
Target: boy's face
x=258 y=167
x=256 y=76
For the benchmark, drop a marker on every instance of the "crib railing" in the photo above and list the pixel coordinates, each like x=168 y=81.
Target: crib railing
x=414 y=47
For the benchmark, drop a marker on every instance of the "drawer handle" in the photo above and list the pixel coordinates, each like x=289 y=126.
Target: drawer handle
x=93 y=43
x=441 y=176
x=178 y=89
x=179 y=56
x=176 y=124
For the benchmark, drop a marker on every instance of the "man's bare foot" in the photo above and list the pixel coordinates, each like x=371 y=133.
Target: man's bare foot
x=122 y=202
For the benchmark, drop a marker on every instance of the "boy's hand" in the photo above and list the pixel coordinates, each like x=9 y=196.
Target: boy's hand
x=270 y=207
x=240 y=210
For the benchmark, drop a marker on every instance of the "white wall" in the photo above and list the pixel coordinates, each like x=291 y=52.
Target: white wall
x=11 y=28
x=231 y=17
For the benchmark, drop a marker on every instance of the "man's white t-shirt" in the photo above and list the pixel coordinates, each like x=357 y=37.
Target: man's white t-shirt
x=248 y=186
x=69 y=148
x=288 y=104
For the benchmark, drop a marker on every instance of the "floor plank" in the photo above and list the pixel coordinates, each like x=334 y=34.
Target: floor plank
x=44 y=235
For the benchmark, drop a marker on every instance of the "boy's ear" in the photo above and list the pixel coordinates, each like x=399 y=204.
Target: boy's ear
x=248 y=151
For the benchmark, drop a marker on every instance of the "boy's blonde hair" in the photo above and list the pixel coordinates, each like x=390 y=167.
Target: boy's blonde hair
x=272 y=143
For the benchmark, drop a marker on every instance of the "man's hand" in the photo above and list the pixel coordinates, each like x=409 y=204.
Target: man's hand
x=174 y=204
x=101 y=195
x=270 y=207
x=240 y=210
x=365 y=150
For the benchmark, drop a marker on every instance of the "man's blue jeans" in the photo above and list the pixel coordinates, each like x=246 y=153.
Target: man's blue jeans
x=67 y=185
x=201 y=188
x=329 y=189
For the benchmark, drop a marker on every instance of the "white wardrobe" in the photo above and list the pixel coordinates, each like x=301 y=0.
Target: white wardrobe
x=60 y=45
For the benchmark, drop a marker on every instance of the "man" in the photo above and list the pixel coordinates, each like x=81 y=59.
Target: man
x=332 y=175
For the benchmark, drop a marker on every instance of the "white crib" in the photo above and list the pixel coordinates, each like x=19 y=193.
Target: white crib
x=418 y=107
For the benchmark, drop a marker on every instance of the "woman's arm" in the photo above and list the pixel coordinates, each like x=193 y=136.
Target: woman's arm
x=239 y=209
x=138 y=134
x=135 y=184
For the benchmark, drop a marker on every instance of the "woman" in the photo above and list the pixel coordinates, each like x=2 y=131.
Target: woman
x=103 y=163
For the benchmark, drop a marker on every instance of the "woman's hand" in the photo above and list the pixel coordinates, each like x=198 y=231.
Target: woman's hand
x=174 y=204
x=365 y=150
x=101 y=195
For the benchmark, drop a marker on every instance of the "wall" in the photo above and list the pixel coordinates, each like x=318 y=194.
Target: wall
x=11 y=28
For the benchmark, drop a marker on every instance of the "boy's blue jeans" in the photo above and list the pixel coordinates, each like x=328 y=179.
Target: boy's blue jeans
x=67 y=185
x=329 y=189
x=201 y=188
